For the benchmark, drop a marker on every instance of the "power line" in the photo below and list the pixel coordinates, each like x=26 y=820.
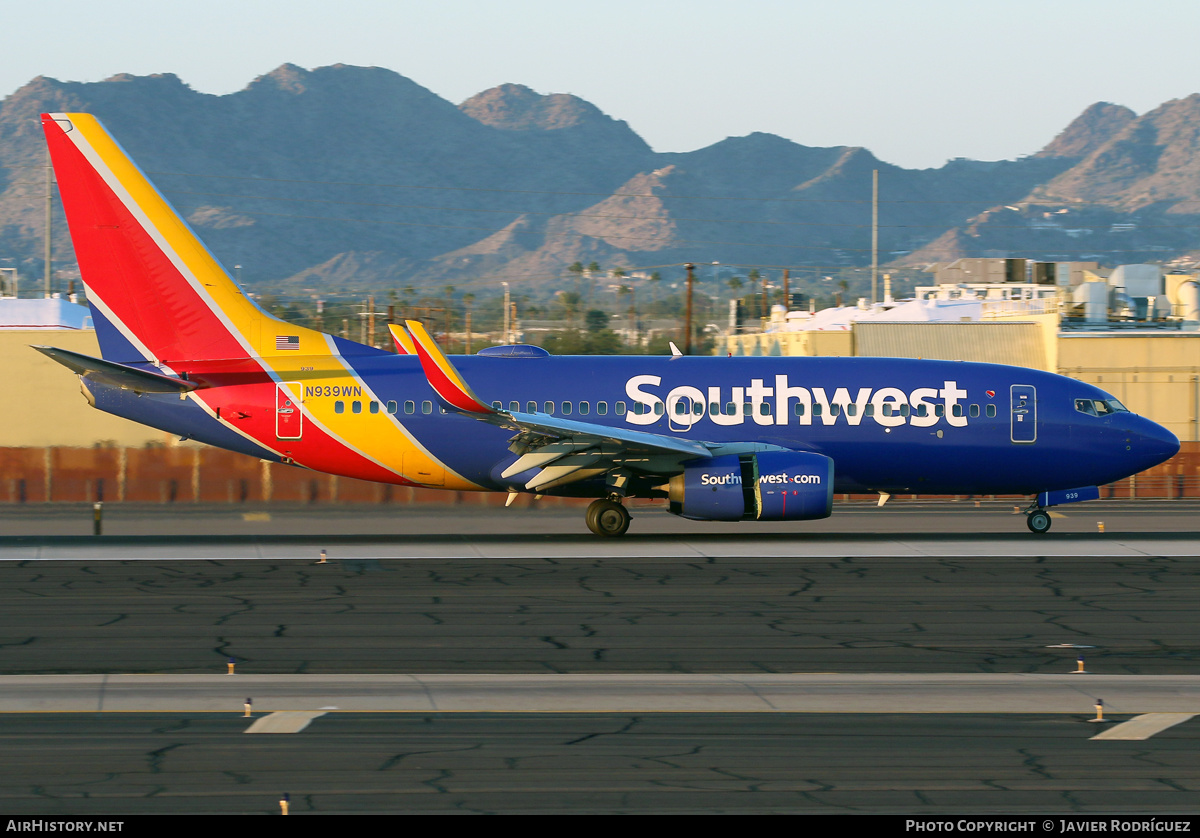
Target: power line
x=1046 y=202
x=766 y=222
x=605 y=237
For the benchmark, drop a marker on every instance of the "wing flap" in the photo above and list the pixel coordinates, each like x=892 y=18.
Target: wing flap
x=557 y=474
x=540 y=423
x=543 y=456
x=572 y=476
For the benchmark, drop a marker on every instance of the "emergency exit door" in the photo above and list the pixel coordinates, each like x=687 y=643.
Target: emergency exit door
x=1023 y=413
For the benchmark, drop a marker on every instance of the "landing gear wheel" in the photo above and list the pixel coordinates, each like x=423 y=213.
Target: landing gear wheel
x=1038 y=521
x=607 y=518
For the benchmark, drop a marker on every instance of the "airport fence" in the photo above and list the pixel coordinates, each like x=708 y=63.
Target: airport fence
x=193 y=474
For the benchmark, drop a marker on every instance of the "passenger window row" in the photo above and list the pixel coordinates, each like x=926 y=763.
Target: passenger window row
x=339 y=406
x=566 y=408
x=715 y=409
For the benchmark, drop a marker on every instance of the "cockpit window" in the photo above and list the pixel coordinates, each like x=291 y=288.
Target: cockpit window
x=1099 y=407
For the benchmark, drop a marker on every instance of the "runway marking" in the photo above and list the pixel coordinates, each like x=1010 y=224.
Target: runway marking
x=284 y=721
x=1144 y=726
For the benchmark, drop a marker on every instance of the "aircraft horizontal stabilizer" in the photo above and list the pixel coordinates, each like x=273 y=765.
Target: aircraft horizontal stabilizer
x=118 y=375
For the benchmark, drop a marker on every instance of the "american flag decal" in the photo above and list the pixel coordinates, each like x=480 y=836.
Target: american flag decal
x=287 y=341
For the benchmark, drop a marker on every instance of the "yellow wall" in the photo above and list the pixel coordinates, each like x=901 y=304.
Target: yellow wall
x=1156 y=375
x=43 y=404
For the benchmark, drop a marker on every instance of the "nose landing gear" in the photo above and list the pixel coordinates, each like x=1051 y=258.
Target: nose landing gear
x=607 y=518
x=1038 y=520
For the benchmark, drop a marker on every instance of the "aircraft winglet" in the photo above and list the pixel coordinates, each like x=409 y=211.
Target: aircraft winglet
x=443 y=377
x=404 y=342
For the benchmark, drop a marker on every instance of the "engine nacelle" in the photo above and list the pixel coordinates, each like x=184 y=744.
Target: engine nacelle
x=768 y=486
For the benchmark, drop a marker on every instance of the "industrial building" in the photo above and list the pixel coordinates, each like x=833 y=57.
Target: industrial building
x=1133 y=330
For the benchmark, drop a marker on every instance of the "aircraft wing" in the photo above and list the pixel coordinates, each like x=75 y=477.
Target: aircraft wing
x=118 y=375
x=561 y=450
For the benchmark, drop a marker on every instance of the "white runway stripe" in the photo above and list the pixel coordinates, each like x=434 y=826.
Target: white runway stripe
x=1144 y=726
x=287 y=721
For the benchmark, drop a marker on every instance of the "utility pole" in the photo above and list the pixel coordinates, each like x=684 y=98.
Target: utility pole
x=687 y=337
x=874 y=235
x=49 y=207
x=633 y=325
x=371 y=320
x=787 y=297
x=507 y=309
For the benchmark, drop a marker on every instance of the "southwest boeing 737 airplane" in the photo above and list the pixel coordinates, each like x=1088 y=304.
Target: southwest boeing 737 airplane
x=718 y=439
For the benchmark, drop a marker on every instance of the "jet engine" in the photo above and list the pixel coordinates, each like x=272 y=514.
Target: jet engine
x=767 y=486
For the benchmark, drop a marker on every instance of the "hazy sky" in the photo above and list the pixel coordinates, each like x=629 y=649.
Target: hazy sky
x=916 y=82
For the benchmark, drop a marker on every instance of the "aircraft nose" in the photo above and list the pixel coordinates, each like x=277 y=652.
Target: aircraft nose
x=1153 y=444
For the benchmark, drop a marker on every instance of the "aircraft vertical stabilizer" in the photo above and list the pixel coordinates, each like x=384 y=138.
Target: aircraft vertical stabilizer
x=157 y=292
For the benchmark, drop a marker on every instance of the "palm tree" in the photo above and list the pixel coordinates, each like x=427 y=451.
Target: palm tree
x=570 y=301
x=589 y=274
x=754 y=277
x=626 y=290
x=576 y=269
x=468 y=298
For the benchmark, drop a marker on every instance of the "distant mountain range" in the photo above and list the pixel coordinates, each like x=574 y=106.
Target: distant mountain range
x=358 y=178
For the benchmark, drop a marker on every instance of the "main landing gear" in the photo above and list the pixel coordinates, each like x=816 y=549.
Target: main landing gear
x=607 y=518
x=1038 y=520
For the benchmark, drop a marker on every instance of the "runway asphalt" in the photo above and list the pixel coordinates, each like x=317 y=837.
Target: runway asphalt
x=1129 y=614
x=409 y=763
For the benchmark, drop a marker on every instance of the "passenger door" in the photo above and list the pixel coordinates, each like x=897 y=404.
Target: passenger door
x=1023 y=413
x=289 y=421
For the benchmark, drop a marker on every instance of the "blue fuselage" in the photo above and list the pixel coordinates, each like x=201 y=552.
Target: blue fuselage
x=890 y=425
